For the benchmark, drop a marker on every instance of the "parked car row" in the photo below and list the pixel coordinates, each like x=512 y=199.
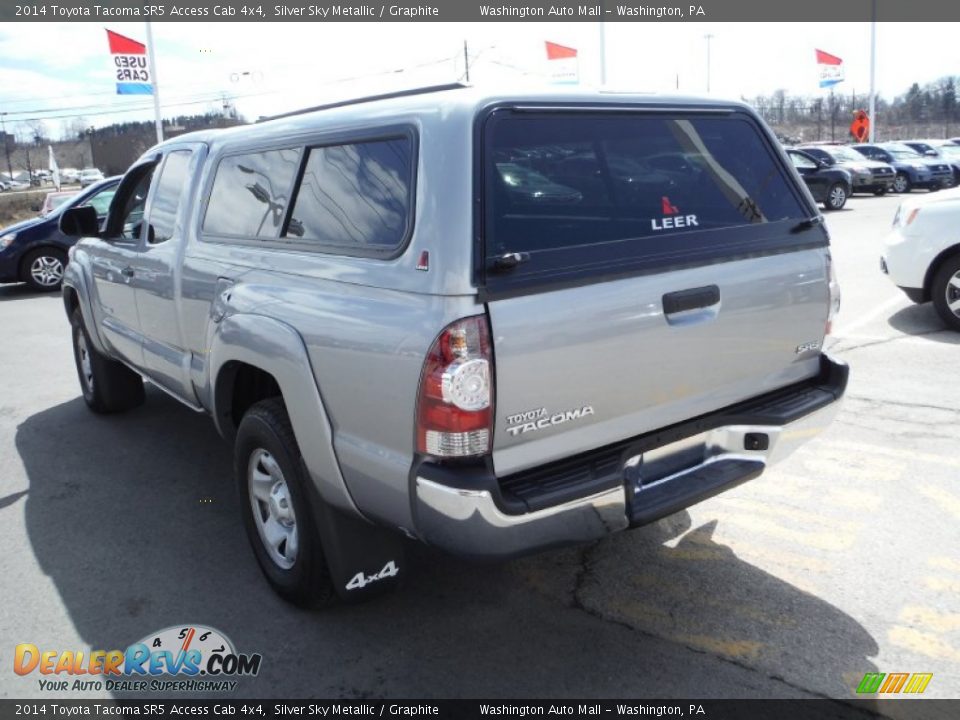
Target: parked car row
x=833 y=172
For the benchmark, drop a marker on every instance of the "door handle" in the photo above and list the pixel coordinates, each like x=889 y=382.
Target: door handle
x=692 y=299
x=127 y=272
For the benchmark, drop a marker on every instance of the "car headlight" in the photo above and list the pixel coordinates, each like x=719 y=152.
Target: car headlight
x=918 y=166
x=5 y=240
x=902 y=219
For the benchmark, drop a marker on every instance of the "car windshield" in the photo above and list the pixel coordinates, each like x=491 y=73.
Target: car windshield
x=57 y=200
x=902 y=152
x=845 y=154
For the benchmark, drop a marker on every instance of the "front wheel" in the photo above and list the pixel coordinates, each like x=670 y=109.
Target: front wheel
x=901 y=183
x=276 y=511
x=836 y=197
x=43 y=268
x=946 y=292
x=108 y=386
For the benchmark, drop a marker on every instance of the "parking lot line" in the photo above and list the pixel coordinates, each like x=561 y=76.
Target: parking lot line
x=931 y=619
x=868 y=449
x=943 y=499
x=844 y=331
x=922 y=643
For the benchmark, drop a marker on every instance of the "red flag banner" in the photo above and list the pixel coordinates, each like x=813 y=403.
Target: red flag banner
x=559 y=52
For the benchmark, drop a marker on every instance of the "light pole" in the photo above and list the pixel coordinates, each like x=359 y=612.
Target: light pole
x=708 y=37
x=873 y=69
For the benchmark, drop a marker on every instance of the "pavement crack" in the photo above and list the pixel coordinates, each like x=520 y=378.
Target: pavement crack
x=840 y=348
x=876 y=402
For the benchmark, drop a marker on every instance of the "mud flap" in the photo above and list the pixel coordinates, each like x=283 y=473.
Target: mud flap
x=364 y=560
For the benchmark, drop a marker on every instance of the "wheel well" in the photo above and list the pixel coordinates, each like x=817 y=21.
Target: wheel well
x=934 y=267
x=71 y=301
x=239 y=386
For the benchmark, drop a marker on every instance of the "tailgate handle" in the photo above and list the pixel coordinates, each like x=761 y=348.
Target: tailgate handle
x=692 y=299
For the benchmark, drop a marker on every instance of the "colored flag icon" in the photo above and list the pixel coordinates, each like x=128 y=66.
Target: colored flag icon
x=830 y=69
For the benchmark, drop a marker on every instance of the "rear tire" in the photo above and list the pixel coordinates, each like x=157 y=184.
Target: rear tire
x=901 y=183
x=108 y=386
x=277 y=514
x=836 y=197
x=946 y=292
x=43 y=268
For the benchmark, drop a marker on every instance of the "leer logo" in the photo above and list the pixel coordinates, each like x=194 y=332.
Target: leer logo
x=894 y=683
x=672 y=217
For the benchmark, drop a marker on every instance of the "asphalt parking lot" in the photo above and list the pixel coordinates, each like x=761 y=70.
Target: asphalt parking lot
x=841 y=561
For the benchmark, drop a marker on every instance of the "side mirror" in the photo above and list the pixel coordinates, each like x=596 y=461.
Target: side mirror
x=823 y=163
x=931 y=153
x=80 y=222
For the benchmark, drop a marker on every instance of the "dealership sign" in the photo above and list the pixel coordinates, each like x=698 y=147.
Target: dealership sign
x=830 y=69
x=130 y=65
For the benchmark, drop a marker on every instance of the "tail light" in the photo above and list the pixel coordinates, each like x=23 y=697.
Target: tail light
x=834 y=295
x=455 y=406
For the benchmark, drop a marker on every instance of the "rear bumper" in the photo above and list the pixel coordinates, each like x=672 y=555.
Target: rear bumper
x=466 y=512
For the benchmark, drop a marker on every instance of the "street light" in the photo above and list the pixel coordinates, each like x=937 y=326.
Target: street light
x=708 y=37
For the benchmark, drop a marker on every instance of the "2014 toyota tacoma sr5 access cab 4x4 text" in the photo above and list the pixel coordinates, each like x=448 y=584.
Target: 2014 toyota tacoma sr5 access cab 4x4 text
x=493 y=323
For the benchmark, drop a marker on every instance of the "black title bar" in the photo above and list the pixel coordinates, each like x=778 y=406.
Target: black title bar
x=481 y=11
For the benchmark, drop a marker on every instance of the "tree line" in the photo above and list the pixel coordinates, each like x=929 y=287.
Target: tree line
x=929 y=110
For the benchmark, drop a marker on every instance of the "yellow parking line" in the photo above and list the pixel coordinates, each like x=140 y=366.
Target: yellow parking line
x=737 y=649
x=819 y=540
x=941 y=622
x=943 y=498
x=938 y=583
x=848 y=468
x=899 y=452
x=922 y=643
x=786 y=511
x=945 y=563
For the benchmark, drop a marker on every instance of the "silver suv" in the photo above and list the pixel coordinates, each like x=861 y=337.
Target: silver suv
x=492 y=323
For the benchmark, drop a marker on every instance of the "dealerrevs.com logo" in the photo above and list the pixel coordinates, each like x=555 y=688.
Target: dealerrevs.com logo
x=182 y=658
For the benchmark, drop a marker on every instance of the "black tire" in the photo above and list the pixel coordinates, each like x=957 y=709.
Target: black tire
x=266 y=432
x=901 y=183
x=880 y=192
x=42 y=269
x=108 y=386
x=945 y=293
x=836 y=197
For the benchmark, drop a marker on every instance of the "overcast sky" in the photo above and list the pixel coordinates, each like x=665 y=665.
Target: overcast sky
x=51 y=70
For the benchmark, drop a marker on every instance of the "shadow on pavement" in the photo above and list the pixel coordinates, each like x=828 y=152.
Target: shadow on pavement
x=22 y=291
x=924 y=321
x=135 y=520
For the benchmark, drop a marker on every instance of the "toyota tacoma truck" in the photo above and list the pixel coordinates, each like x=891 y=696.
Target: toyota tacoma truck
x=493 y=323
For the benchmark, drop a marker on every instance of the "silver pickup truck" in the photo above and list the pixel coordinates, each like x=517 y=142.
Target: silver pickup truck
x=493 y=323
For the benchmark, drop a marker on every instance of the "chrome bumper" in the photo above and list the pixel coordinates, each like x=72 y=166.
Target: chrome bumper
x=656 y=483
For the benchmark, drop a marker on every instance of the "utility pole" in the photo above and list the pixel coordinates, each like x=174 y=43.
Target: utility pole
x=151 y=58
x=603 y=53
x=708 y=37
x=6 y=143
x=873 y=69
x=466 y=62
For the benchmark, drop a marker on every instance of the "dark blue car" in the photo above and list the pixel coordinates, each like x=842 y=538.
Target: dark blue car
x=35 y=251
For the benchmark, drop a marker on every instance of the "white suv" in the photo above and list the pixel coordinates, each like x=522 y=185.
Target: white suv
x=922 y=254
x=89 y=176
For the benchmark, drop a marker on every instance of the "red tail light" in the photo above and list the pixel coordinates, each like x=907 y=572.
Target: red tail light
x=455 y=406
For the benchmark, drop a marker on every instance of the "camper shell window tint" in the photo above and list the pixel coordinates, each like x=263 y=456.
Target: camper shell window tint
x=567 y=190
x=251 y=194
x=355 y=197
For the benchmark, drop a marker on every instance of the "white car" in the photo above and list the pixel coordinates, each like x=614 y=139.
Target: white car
x=89 y=176
x=922 y=254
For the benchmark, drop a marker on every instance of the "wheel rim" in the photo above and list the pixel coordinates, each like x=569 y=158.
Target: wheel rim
x=272 y=509
x=46 y=270
x=837 y=197
x=953 y=294
x=900 y=184
x=86 y=366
